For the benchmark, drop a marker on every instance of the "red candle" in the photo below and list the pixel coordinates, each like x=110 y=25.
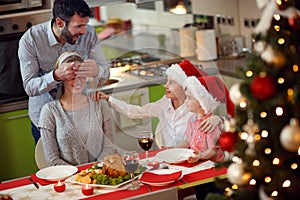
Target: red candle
x=154 y=165
x=60 y=186
x=87 y=190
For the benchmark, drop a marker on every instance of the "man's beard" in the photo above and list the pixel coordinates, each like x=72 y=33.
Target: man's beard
x=65 y=33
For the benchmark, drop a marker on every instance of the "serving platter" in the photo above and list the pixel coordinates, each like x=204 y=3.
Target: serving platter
x=174 y=155
x=56 y=173
x=72 y=179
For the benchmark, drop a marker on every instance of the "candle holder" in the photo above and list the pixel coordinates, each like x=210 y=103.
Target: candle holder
x=59 y=186
x=87 y=190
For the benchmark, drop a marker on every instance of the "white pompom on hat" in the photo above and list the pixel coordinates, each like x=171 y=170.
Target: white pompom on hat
x=180 y=72
x=210 y=91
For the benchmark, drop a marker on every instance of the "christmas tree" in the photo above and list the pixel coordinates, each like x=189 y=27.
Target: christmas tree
x=265 y=160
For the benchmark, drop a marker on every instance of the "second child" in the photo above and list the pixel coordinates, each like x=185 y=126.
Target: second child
x=204 y=94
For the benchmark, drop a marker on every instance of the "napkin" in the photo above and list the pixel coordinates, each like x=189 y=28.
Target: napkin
x=41 y=181
x=153 y=177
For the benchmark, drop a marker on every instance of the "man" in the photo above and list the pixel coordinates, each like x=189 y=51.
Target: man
x=42 y=44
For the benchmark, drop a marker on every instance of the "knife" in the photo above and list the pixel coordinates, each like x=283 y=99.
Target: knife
x=34 y=183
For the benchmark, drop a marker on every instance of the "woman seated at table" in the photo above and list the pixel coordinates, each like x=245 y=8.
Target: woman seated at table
x=74 y=128
x=204 y=94
x=171 y=109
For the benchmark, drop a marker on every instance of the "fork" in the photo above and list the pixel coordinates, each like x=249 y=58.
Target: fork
x=34 y=183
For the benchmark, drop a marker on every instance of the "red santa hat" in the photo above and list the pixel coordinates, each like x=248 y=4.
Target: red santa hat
x=180 y=72
x=210 y=91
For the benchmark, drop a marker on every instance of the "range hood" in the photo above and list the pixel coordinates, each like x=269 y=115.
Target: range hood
x=96 y=3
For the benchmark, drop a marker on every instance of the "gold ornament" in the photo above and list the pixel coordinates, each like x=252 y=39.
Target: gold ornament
x=237 y=175
x=290 y=136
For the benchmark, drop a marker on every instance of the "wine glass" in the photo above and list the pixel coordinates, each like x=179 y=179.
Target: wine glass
x=131 y=162
x=145 y=141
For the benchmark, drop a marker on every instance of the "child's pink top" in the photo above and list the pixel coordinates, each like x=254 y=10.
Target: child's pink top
x=201 y=141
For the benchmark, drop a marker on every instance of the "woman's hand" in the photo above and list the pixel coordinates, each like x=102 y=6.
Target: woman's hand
x=209 y=124
x=100 y=95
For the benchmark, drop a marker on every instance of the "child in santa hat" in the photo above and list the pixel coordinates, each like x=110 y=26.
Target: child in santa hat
x=204 y=95
x=171 y=109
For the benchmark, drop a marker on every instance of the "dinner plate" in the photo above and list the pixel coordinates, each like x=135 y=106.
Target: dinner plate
x=162 y=172
x=55 y=173
x=175 y=155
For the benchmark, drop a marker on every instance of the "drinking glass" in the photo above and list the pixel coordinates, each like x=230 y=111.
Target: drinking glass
x=131 y=162
x=145 y=139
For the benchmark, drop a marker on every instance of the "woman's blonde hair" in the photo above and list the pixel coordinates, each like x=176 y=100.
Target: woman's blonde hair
x=68 y=56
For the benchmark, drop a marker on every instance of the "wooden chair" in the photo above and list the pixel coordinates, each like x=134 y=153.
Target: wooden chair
x=39 y=155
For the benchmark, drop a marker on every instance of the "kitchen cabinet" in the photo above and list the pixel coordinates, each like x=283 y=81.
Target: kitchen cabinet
x=16 y=145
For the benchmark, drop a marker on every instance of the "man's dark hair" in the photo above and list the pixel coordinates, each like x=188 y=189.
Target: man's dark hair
x=65 y=9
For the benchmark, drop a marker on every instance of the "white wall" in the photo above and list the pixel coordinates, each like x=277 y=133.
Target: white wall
x=248 y=10
x=145 y=17
x=238 y=9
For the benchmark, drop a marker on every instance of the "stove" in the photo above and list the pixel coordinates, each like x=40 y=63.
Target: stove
x=149 y=71
x=144 y=66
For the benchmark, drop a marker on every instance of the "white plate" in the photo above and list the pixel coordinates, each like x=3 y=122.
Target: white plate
x=175 y=155
x=55 y=173
x=163 y=171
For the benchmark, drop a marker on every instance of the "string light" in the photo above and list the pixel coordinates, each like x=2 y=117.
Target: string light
x=299 y=151
x=236 y=159
x=281 y=41
x=294 y=166
x=263 y=114
x=243 y=104
x=249 y=73
x=274 y=193
x=244 y=136
x=268 y=150
x=295 y=68
x=228 y=192
x=290 y=93
x=264 y=134
x=280 y=80
x=268 y=179
x=286 y=183
x=277 y=28
x=256 y=163
x=234 y=187
x=279 y=2
x=257 y=137
x=276 y=17
x=279 y=111
x=276 y=161
x=252 y=182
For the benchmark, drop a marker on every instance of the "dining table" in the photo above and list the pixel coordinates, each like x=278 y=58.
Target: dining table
x=33 y=187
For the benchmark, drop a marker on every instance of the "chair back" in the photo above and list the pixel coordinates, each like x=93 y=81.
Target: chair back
x=39 y=155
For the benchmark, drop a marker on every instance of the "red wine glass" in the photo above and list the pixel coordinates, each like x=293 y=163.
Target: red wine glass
x=145 y=139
